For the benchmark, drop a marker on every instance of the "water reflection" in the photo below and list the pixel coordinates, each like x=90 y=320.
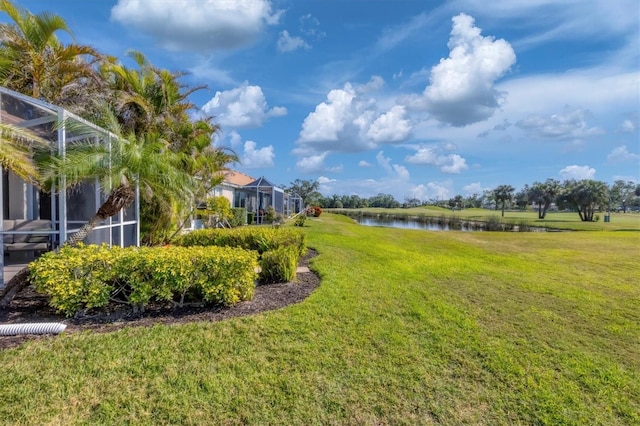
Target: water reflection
x=413 y=224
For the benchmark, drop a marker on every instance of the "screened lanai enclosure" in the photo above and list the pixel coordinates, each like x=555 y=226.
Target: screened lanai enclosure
x=261 y=194
x=33 y=221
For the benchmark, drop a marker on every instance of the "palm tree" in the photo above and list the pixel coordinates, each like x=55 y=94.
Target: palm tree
x=127 y=162
x=152 y=99
x=16 y=152
x=544 y=194
x=586 y=196
x=149 y=98
x=34 y=62
x=503 y=193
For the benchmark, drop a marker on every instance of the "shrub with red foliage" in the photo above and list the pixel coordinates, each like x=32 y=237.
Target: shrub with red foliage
x=314 y=211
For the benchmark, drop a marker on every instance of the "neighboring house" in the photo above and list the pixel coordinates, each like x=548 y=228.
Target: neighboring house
x=256 y=195
x=232 y=188
x=64 y=211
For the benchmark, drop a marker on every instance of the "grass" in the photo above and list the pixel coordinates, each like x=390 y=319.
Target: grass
x=408 y=327
x=553 y=220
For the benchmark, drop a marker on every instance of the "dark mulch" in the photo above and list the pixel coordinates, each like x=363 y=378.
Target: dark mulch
x=31 y=307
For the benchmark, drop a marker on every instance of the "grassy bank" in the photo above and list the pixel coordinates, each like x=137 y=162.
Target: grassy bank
x=408 y=327
x=553 y=220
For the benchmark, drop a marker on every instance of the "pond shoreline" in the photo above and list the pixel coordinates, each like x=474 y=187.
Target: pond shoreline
x=440 y=223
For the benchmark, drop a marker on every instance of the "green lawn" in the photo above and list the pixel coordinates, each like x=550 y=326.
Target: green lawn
x=408 y=327
x=554 y=220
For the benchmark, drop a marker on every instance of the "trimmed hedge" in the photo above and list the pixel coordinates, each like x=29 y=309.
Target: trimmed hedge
x=278 y=248
x=279 y=265
x=260 y=239
x=85 y=277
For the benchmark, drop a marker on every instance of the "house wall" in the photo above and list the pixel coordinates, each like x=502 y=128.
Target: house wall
x=224 y=191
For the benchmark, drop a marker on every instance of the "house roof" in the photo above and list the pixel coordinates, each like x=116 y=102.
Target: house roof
x=236 y=178
x=261 y=182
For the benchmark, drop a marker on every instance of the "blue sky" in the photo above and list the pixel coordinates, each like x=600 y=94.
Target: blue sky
x=423 y=99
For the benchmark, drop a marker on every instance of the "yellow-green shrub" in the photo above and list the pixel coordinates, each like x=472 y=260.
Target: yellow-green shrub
x=85 y=277
x=279 y=265
x=277 y=247
x=261 y=239
x=75 y=277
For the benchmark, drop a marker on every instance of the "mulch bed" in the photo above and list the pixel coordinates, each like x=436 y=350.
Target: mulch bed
x=31 y=307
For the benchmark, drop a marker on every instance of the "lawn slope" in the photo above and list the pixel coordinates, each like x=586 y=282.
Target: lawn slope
x=407 y=327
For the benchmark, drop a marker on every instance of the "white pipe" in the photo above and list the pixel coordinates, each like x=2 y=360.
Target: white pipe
x=32 y=328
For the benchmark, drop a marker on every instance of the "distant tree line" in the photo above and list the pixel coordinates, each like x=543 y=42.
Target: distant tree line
x=586 y=197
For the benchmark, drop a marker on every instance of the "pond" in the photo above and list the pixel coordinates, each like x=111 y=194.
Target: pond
x=414 y=224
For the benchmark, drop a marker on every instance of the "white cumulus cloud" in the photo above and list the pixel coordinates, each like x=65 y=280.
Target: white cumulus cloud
x=453 y=164
x=390 y=127
x=473 y=188
x=569 y=125
x=195 y=25
x=431 y=191
x=577 y=172
x=433 y=156
x=242 y=107
x=351 y=121
x=287 y=43
x=324 y=180
x=621 y=154
x=254 y=158
x=312 y=163
x=461 y=89
x=396 y=170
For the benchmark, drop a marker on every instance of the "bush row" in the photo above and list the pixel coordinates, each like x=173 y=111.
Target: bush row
x=85 y=277
x=279 y=249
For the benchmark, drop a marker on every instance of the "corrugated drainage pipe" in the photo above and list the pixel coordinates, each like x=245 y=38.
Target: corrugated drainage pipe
x=31 y=328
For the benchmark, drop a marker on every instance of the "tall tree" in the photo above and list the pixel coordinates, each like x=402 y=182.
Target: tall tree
x=456 y=202
x=384 y=201
x=306 y=189
x=621 y=193
x=522 y=197
x=503 y=194
x=473 y=201
x=33 y=61
x=150 y=99
x=544 y=194
x=586 y=196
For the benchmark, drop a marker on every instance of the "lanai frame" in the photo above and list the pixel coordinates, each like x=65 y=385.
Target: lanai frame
x=67 y=210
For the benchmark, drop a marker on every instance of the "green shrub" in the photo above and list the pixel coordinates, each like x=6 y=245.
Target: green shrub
x=300 y=219
x=493 y=224
x=250 y=218
x=76 y=278
x=220 y=207
x=279 y=265
x=85 y=277
x=238 y=216
x=266 y=241
x=523 y=226
x=260 y=239
x=270 y=215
